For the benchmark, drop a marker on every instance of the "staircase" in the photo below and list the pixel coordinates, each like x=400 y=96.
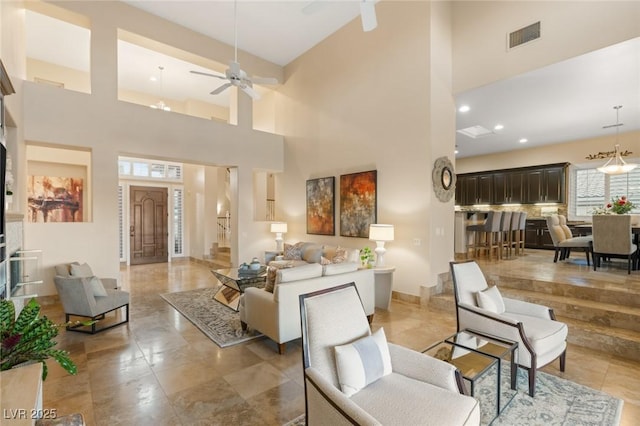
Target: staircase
x=218 y=257
x=602 y=314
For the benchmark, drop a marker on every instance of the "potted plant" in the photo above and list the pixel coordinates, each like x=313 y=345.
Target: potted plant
x=366 y=257
x=29 y=338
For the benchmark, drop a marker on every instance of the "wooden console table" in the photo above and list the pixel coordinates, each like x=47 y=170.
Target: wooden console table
x=21 y=395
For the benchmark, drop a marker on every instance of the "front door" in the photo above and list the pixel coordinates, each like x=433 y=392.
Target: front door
x=148 y=230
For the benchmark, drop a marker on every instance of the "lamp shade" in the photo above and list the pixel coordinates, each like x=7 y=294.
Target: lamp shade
x=380 y=232
x=279 y=227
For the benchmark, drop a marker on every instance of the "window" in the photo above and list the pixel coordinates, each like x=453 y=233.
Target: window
x=141 y=169
x=591 y=189
x=177 y=222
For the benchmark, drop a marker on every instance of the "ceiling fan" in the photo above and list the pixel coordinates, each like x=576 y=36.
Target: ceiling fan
x=236 y=76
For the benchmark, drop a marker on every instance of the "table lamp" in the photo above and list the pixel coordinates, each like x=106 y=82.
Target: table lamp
x=380 y=233
x=279 y=228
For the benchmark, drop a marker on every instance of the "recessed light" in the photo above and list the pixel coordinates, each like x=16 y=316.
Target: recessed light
x=153 y=78
x=464 y=108
x=456 y=151
x=523 y=140
x=498 y=127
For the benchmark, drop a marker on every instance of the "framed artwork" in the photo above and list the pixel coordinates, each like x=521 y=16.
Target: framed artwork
x=321 y=206
x=54 y=199
x=358 y=203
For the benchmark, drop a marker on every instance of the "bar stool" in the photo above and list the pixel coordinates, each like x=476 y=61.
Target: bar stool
x=505 y=231
x=520 y=235
x=487 y=234
x=515 y=222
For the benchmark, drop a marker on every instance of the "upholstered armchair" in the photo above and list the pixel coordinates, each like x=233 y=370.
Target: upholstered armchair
x=612 y=238
x=563 y=239
x=355 y=377
x=541 y=339
x=84 y=295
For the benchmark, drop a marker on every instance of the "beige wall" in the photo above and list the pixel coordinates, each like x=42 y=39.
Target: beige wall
x=569 y=29
x=571 y=152
x=108 y=128
x=70 y=78
x=361 y=101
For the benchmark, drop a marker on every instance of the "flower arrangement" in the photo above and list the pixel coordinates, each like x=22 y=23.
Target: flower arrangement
x=621 y=205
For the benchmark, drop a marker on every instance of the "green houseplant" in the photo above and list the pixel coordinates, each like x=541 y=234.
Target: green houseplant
x=366 y=257
x=29 y=338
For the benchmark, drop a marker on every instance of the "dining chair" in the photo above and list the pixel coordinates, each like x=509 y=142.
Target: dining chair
x=563 y=239
x=612 y=237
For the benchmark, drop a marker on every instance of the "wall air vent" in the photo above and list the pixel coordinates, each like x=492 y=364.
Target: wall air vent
x=475 y=132
x=523 y=35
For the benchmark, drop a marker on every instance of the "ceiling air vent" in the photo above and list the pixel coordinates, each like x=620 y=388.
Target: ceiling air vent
x=524 y=35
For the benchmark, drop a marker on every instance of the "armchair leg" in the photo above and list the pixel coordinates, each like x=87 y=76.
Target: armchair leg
x=563 y=360
x=532 y=382
x=282 y=347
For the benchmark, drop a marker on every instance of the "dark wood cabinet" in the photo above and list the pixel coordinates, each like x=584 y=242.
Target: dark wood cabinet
x=527 y=185
x=545 y=185
x=508 y=187
x=537 y=235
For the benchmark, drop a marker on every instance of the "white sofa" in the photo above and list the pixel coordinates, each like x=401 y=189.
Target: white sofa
x=277 y=314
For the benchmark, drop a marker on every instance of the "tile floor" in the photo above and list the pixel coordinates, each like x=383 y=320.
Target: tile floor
x=161 y=370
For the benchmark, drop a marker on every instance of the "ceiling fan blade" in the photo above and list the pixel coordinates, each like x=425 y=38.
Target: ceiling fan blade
x=249 y=91
x=221 y=88
x=264 y=80
x=208 y=75
x=313 y=6
x=368 y=15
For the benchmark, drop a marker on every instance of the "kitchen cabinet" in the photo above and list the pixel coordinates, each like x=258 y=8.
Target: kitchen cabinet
x=545 y=185
x=537 y=235
x=475 y=189
x=508 y=187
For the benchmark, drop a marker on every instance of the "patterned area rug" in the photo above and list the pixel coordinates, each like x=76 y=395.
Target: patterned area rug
x=218 y=322
x=557 y=402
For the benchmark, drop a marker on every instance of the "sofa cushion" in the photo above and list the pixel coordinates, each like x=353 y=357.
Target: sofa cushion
x=310 y=270
x=339 y=268
x=97 y=287
x=293 y=252
x=362 y=362
x=312 y=254
x=491 y=300
x=81 y=270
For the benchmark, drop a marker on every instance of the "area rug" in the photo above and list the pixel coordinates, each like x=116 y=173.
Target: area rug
x=218 y=322
x=557 y=402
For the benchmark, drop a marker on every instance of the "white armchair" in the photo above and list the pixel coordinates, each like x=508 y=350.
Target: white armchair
x=541 y=339
x=415 y=388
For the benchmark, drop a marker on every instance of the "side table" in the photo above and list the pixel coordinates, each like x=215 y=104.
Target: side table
x=383 y=282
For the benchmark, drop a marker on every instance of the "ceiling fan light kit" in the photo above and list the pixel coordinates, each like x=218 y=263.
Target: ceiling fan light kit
x=616 y=165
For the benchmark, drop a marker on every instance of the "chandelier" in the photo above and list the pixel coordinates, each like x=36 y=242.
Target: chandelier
x=616 y=165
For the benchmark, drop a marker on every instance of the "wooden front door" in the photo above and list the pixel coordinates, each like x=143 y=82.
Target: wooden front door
x=148 y=230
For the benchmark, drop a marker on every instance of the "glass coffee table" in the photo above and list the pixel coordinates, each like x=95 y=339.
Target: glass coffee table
x=488 y=365
x=233 y=285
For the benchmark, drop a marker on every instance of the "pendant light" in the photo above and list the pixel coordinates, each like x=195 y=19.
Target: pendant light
x=160 y=104
x=616 y=165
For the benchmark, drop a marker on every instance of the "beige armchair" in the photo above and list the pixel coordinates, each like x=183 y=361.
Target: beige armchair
x=563 y=239
x=541 y=339
x=612 y=238
x=84 y=295
x=414 y=389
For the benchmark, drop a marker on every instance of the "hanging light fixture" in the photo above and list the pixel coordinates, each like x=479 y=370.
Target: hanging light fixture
x=616 y=165
x=160 y=104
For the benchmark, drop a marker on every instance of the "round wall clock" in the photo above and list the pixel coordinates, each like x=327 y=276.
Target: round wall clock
x=444 y=179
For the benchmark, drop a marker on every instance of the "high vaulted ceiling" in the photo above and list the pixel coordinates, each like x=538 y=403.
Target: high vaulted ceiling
x=570 y=100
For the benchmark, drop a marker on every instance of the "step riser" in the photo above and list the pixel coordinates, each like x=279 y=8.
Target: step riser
x=593 y=315
x=581 y=336
x=616 y=297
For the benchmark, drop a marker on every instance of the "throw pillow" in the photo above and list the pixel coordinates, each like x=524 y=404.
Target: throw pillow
x=340 y=256
x=83 y=270
x=271 y=278
x=97 y=287
x=362 y=362
x=312 y=254
x=293 y=252
x=491 y=300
